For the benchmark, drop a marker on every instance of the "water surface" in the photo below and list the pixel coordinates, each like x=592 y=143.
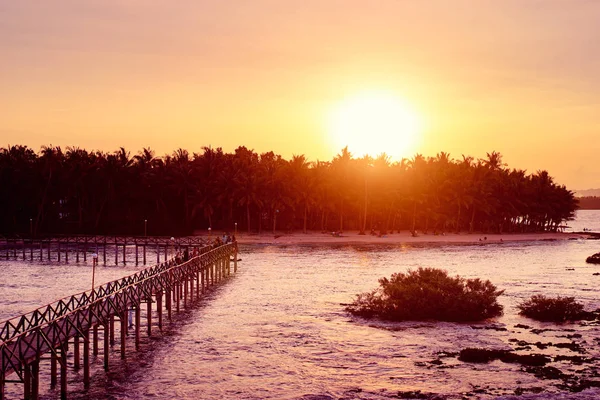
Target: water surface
x=278 y=329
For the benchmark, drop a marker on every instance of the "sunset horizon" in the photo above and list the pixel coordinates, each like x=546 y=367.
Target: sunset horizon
x=301 y=200
x=518 y=78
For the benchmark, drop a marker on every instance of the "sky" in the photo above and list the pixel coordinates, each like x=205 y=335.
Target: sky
x=521 y=77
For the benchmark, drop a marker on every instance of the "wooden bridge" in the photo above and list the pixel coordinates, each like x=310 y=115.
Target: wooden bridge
x=28 y=339
x=61 y=247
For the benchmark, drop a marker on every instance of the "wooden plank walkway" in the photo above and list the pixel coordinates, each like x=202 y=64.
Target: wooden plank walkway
x=59 y=248
x=26 y=339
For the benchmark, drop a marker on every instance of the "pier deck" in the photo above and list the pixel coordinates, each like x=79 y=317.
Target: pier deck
x=77 y=319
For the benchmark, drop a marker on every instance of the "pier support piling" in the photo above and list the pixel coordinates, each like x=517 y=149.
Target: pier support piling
x=149 y=315
x=63 y=371
x=159 y=310
x=86 y=359
x=123 y=318
x=138 y=319
x=76 y=357
x=95 y=342
x=106 y=348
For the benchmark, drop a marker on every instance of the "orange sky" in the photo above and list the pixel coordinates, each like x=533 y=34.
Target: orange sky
x=521 y=77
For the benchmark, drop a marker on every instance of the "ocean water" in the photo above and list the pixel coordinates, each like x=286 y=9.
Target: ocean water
x=278 y=329
x=585 y=220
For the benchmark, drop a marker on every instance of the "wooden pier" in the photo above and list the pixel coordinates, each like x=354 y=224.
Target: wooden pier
x=47 y=332
x=81 y=247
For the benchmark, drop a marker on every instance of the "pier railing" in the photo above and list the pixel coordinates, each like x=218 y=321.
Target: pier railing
x=27 y=338
x=59 y=248
x=23 y=323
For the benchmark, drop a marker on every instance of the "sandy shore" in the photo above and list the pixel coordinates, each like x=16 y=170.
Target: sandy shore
x=398 y=238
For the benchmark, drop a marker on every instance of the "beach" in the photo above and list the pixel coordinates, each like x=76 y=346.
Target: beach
x=400 y=238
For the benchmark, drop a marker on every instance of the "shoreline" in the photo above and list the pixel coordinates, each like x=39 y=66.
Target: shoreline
x=402 y=238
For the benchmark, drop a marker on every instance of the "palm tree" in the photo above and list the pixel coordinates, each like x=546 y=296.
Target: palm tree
x=302 y=184
x=341 y=167
x=247 y=180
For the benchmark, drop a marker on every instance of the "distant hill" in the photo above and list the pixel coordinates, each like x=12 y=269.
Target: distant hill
x=589 y=203
x=587 y=193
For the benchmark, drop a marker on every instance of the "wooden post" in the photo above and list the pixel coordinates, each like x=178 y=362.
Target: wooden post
x=177 y=293
x=35 y=379
x=66 y=251
x=95 y=343
x=168 y=299
x=85 y=249
x=2 y=396
x=149 y=315
x=235 y=258
x=136 y=254
x=111 y=327
x=41 y=250
x=53 y=372
x=58 y=253
x=123 y=318
x=138 y=318
x=159 y=309
x=106 y=348
x=197 y=285
x=191 y=288
x=27 y=382
x=125 y=252
x=31 y=250
x=185 y=293
x=116 y=252
x=157 y=253
x=202 y=272
x=144 y=250
x=104 y=250
x=86 y=359
x=63 y=371
x=77 y=251
x=76 y=353
x=166 y=253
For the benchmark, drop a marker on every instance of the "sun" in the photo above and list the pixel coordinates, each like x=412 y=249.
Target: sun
x=375 y=122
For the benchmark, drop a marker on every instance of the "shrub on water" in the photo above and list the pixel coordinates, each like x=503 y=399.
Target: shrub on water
x=429 y=294
x=552 y=309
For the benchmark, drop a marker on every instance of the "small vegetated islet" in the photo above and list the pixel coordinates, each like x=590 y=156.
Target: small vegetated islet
x=429 y=294
x=554 y=309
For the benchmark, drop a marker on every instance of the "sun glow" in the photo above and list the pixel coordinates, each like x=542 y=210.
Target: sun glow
x=373 y=123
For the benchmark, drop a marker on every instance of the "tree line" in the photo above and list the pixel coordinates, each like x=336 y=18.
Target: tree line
x=589 y=203
x=93 y=192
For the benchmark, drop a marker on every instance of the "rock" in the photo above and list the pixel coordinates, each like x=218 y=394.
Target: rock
x=593 y=259
x=475 y=355
x=546 y=372
x=490 y=328
x=522 y=326
x=526 y=359
x=416 y=394
x=571 y=346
